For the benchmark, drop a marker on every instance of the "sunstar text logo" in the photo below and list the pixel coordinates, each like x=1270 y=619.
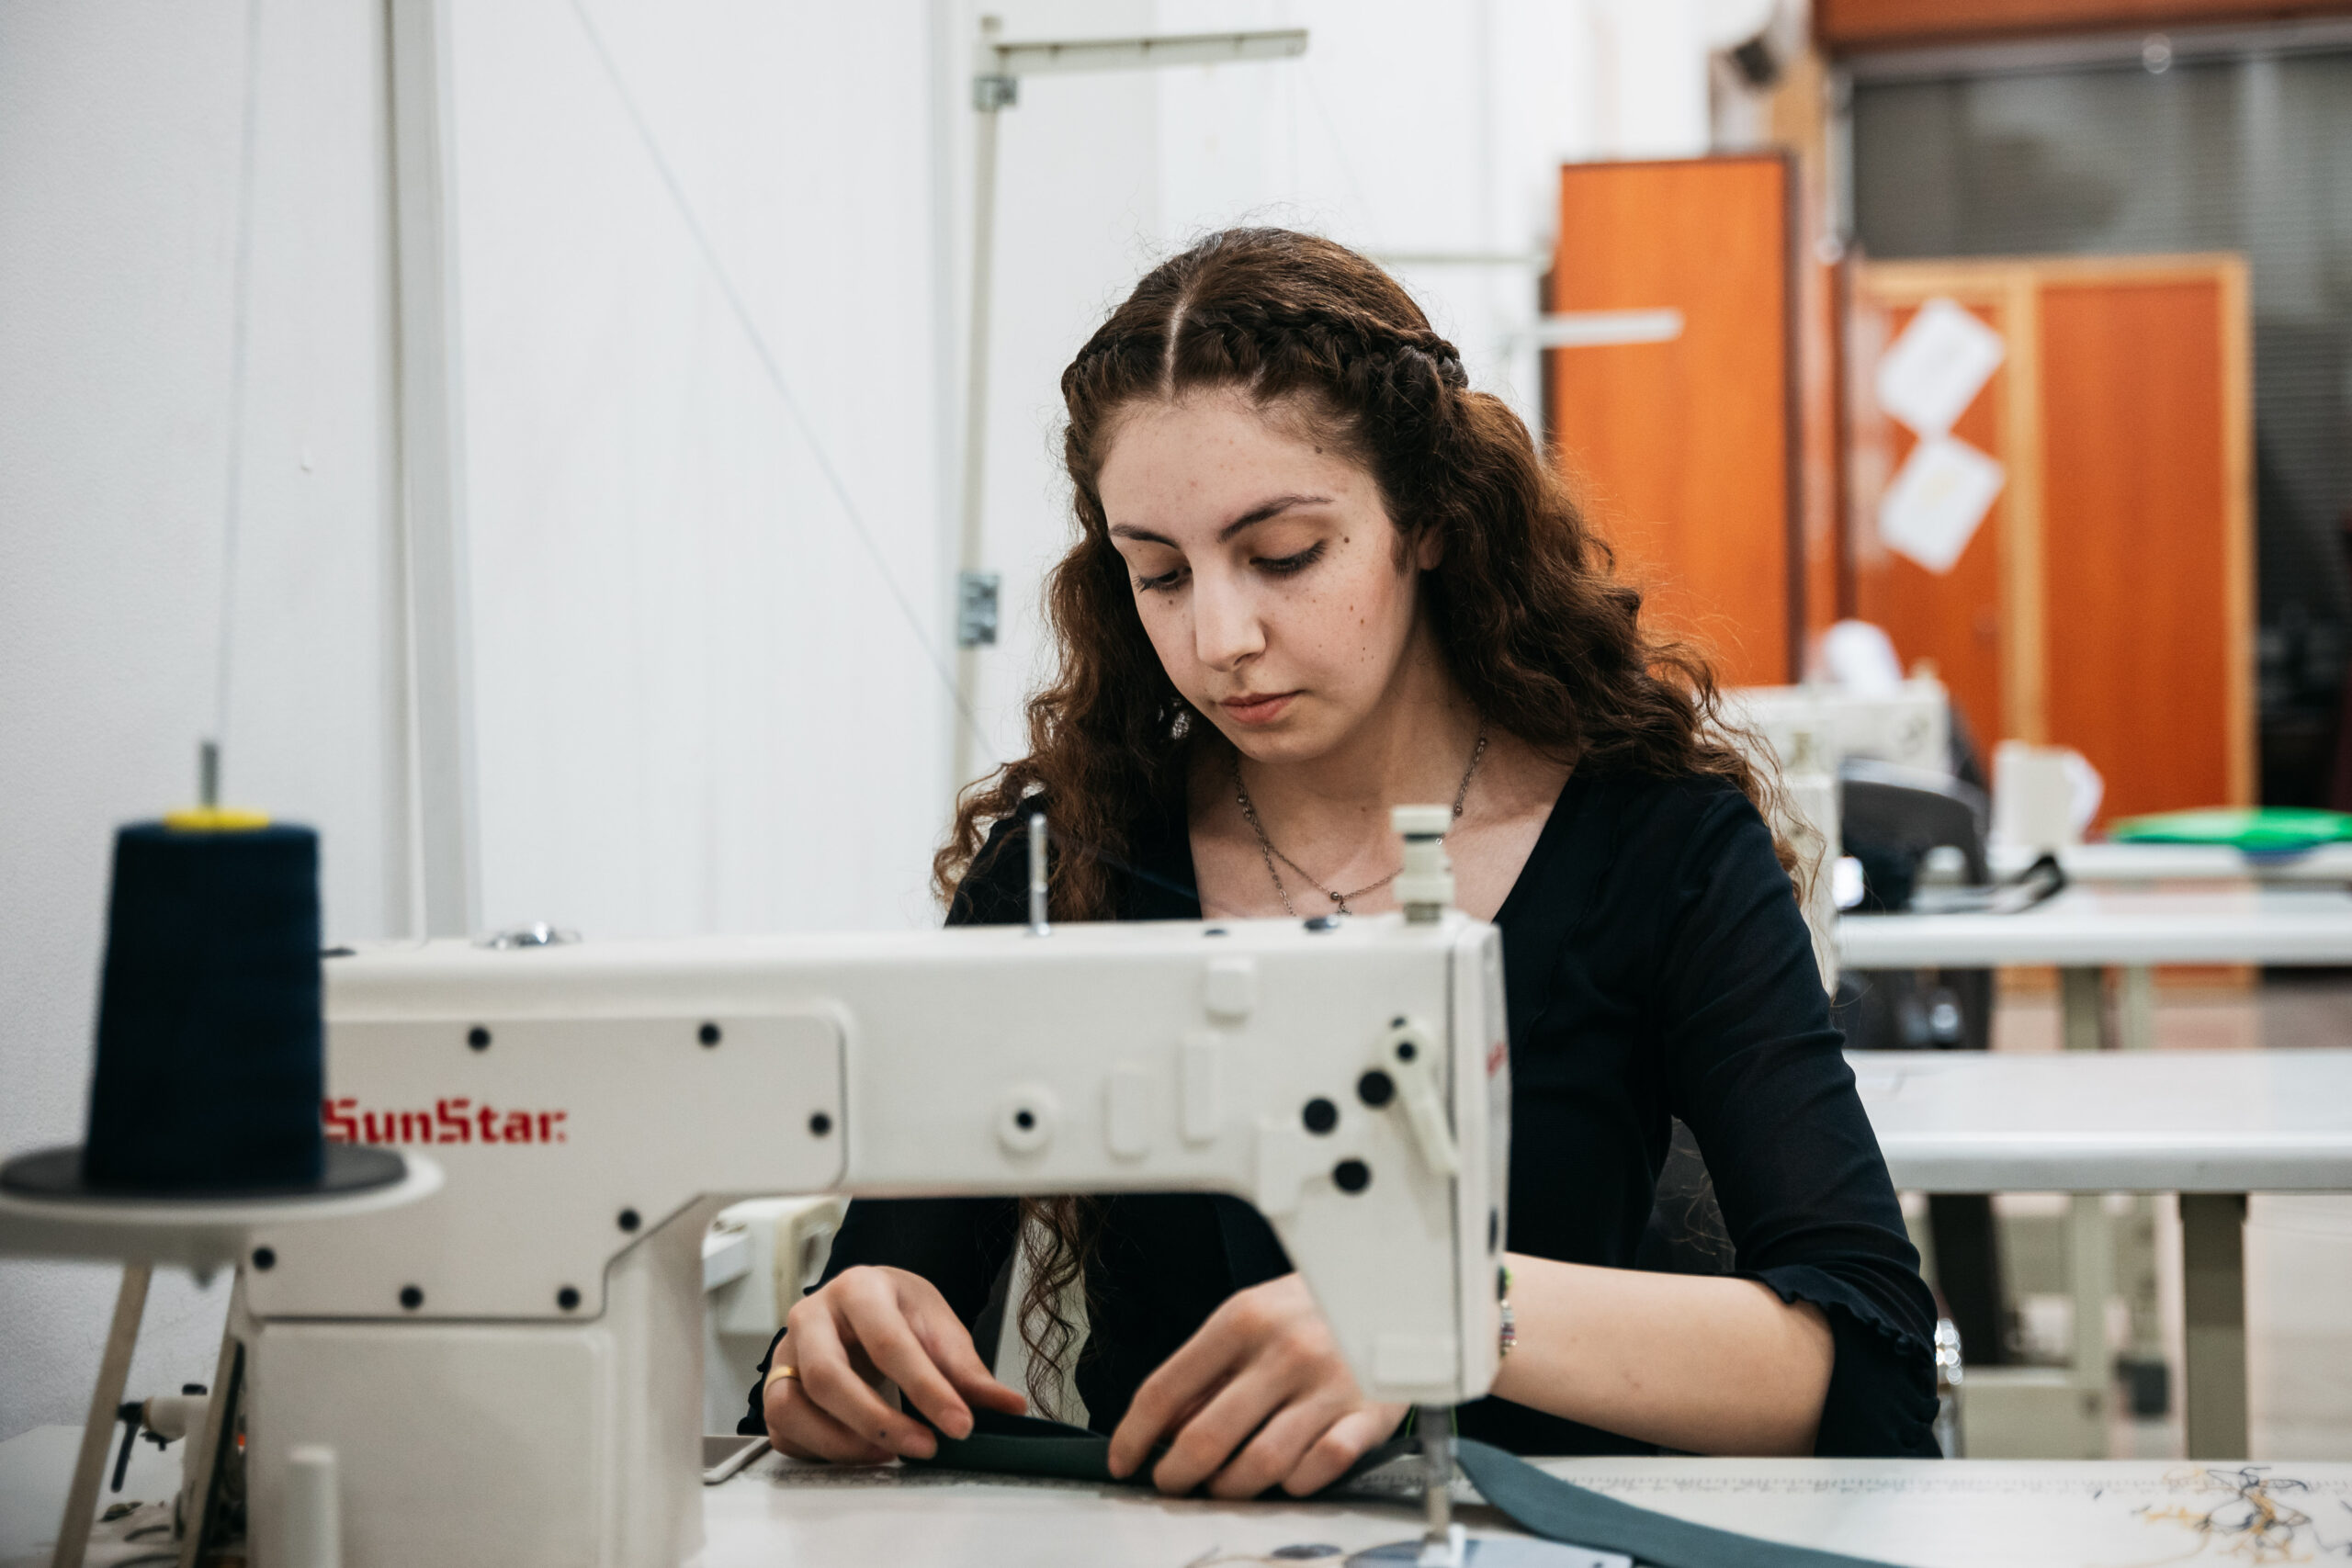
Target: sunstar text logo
x=454 y=1121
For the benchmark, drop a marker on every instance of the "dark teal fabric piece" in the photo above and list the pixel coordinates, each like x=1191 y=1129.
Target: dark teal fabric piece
x=1537 y=1502
x=1026 y=1445
x=1544 y=1504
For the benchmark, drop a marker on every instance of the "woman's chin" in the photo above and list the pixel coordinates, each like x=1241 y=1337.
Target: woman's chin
x=1287 y=739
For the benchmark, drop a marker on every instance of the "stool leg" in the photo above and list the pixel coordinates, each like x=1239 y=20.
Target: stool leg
x=2090 y=1261
x=1968 y=1271
x=2212 y=1237
x=2136 y=1009
x=114 y=1369
x=2081 y=1008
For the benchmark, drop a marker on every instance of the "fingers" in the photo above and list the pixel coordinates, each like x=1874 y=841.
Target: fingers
x=953 y=1353
x=1343 y=1442
x=1278 y=1445
x=890 y=1324
x=832 y=1384
x=1209 y=1438
x=897 y=1354
x=1184 y=1384
x=799 y=1427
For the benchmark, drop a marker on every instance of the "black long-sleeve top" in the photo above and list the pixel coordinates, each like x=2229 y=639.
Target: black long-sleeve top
x=1656 y=965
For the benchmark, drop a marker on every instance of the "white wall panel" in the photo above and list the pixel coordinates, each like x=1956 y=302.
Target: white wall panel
x=120 y=131
x=700 y=704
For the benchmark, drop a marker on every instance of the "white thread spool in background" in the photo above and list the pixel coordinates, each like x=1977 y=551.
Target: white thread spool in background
x=313 y=1509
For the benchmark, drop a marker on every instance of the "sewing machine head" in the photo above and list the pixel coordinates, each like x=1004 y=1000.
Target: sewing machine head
x=512 y=1367
x=1812 y=729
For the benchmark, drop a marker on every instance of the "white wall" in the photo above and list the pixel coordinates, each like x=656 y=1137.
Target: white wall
x=700 y=704
x=698 y=708
x=120 y=131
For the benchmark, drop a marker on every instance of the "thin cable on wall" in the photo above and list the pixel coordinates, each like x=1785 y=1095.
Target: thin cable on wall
x=769 y=366
x=240 y=311
x=774 y=371
x=1339 y=152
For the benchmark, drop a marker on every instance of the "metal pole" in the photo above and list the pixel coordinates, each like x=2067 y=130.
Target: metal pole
x=2090 y=1262
x=2082 y=1007
x=201 y=1460
x=996 y=86
x=991 y=92
x=1439 y=1543
x=114 y=1367
x=439 y=675
x=2090 y=1267
x=2212 y=1245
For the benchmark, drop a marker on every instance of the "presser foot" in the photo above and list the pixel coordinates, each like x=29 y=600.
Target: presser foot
x=1441 y=1538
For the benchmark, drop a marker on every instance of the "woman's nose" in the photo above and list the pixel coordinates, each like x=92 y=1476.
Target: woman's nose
x=1225 y=626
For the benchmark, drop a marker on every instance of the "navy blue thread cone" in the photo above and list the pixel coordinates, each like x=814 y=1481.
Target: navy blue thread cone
x=210 y=1052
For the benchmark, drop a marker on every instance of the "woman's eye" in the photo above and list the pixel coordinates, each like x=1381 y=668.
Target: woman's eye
x=1283 y=566
x=1160 y=584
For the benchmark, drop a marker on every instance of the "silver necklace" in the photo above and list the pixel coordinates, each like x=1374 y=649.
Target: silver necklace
x=1267 y=853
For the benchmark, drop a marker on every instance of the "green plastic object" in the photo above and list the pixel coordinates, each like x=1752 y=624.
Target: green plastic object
x=2264 y=830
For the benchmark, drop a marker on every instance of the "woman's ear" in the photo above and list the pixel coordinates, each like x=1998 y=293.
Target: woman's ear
x=1428 y=549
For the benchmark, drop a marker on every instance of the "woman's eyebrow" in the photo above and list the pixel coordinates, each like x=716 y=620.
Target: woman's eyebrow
x=1273 y=508
x=1259 y=514
x=1126 y=530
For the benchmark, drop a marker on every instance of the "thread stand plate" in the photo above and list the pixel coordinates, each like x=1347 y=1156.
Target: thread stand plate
x=41 y=1215
x=56 y=1174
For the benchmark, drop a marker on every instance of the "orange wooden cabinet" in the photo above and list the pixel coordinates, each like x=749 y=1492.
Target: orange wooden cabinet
x=2106 y=603
x=1877 y=24
x=1684 y=450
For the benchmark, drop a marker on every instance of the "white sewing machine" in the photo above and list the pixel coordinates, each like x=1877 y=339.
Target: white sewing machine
x=1806 y=733
x=1813 y=729
x=509 y=1370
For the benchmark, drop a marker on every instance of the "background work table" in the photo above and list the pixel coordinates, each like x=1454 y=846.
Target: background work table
x=2185 y=862
x=2020 y=1514
x=2106 y=926
x=2210 y=1125
x=2111 y=1121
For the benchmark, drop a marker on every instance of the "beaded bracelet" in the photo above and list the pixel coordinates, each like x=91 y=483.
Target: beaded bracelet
x=1510 y=1319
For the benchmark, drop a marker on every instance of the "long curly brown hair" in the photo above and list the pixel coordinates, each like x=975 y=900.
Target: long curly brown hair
x=1539 y=631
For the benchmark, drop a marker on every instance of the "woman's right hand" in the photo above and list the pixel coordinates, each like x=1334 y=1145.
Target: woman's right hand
x=864 y=1324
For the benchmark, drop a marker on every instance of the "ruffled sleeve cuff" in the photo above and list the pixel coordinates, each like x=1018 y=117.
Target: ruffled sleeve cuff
x=754 y=1422
x=1882 y=1398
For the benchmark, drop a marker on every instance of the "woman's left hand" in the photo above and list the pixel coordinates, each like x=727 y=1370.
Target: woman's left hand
x=1265 y=1363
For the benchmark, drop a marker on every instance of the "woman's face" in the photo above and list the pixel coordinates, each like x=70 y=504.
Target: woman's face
x=1265 y=569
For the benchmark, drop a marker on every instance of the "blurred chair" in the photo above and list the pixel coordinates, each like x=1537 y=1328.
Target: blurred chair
x=1902 y=822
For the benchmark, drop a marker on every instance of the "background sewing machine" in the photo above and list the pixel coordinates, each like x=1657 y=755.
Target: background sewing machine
x=1807 y=734
x=1813 y=729
x=510 y=1368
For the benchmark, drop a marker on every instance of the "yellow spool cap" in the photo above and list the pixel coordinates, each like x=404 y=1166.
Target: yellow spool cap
x=215 y=820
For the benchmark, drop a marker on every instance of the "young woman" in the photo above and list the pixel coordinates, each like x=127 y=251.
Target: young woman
x=1316 y=576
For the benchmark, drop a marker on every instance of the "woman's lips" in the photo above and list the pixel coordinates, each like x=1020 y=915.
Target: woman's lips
x=1262 y=709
